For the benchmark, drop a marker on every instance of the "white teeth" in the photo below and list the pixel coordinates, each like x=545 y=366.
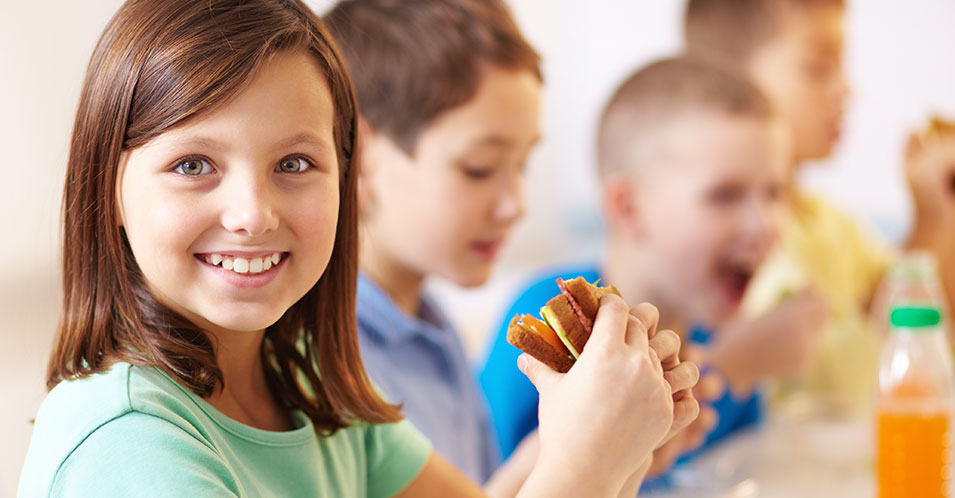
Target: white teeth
x=255 y=265
x=243 y=265
x=240 y=265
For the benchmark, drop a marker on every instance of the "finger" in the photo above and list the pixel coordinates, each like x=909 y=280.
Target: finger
x=695 y=433
x=649 y=315
x=682 y=377
x=541 y=375
x=665 y=455
x=684 y=411
x=667 y=345
x=610 y=324
x=709 y=388
x=693 y=353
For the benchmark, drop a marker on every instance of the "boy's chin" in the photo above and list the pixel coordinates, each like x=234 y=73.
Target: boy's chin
x=817 y=152
x=471 y=277
x=720 y=315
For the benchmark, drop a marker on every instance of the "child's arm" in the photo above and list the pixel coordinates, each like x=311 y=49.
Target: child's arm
x=930 y=171
x=779 y=342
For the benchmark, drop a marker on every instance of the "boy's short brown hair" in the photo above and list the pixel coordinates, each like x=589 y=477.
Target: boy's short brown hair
x=661 y=91
x=730 y=30
x=411 y=60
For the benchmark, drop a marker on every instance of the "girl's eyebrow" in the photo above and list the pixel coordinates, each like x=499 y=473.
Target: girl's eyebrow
x=302 y=138
x=305 y=138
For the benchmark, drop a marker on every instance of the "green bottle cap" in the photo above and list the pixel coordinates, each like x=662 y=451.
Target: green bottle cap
x=915 y=317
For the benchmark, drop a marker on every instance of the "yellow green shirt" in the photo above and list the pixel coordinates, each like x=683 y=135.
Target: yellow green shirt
x=132 y=431
x=824 y=248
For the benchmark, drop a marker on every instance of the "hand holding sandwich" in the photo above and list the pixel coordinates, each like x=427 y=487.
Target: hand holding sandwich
x=600 y=422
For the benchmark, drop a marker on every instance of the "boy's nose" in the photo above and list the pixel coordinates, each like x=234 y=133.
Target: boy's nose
x=760 y=220
x=510 y=203
x=249 y=208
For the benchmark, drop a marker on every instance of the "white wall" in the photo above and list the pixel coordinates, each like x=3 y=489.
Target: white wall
x=899 y=61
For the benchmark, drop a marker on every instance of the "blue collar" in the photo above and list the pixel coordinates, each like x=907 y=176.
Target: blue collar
x=379 y=315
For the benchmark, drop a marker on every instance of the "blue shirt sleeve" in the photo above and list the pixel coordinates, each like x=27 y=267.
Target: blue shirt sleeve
x=512 y=398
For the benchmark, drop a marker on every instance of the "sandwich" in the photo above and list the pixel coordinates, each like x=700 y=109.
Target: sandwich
x=565 y=324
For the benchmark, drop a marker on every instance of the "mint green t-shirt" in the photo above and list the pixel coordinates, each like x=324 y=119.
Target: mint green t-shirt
x=132 y=431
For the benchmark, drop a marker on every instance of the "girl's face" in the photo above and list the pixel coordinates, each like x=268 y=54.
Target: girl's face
x=232 y=216
x=447 y=209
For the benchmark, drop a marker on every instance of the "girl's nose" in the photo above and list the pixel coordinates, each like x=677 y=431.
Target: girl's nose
x=249 y=207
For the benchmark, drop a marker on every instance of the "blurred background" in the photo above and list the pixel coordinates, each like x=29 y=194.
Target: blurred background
x=898 y=59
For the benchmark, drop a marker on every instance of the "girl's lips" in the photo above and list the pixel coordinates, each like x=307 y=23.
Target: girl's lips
x=245 y=277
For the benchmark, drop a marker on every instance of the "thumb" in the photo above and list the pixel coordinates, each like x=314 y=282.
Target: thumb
x=541 y=375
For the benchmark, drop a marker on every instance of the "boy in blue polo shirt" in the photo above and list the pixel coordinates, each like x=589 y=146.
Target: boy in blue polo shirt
x=433 y=80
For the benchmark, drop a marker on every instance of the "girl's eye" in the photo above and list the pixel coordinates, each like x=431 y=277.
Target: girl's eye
x=194 y=167
x=293 y=165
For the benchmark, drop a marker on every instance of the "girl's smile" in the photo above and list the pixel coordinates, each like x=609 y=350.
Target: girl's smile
x=244 y=269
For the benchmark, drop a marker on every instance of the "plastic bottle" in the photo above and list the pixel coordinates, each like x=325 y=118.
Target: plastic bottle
x=913 y=280
x=915 y=406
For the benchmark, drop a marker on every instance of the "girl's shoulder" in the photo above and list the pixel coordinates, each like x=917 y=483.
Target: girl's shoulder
x=101 y=422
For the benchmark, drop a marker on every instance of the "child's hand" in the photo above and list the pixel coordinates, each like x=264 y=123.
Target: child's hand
x=682 y=377
x=600 y=422
x=930 y=171
x=780 y=342
x=708 y=389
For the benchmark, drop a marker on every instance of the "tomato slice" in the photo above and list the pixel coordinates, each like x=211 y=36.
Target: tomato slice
x=546 y=333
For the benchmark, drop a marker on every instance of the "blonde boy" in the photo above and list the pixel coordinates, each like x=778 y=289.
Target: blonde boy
x=792 y=50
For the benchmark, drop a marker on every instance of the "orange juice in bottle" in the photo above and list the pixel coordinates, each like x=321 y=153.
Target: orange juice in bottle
x=915 y=407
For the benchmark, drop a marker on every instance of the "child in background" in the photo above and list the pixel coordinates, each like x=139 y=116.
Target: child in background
x=691 y=161
x=792 y=50
x=208 y=343
x=449 y=92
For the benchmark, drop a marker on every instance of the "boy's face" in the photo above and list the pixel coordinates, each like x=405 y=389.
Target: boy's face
x=447 y=209
x=800 y=71
x=707 y=209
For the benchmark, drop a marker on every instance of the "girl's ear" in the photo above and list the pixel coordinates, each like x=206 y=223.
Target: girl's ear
x=120 y=214
x=621 y=206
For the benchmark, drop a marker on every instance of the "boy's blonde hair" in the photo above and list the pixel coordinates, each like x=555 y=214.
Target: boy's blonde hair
x=659 y=92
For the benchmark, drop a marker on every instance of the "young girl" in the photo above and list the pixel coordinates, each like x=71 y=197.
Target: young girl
x=208 y=343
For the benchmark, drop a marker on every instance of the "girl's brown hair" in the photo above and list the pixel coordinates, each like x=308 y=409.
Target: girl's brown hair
x=158 y=64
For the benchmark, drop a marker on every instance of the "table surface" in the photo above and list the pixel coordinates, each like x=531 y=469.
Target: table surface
x=786 y=457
